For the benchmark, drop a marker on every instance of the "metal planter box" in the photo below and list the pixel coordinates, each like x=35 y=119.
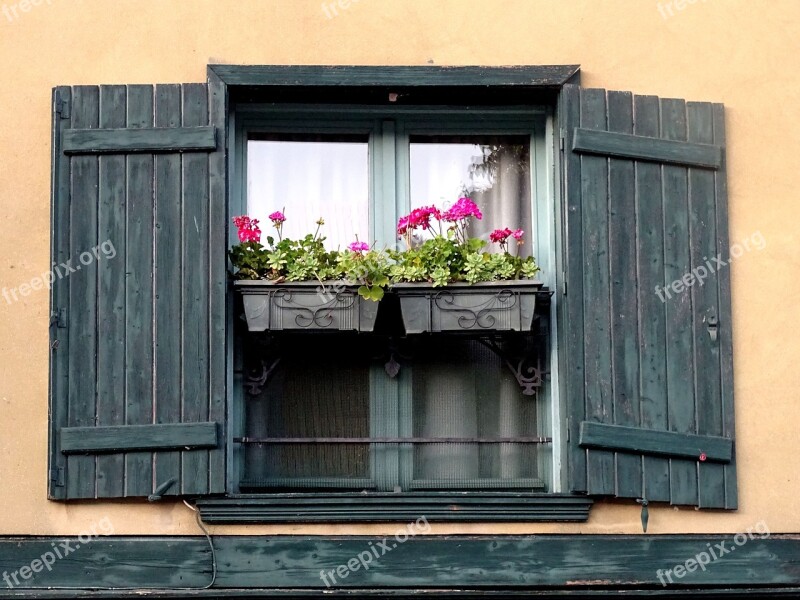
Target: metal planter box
x=306 y=305
x=463 y=307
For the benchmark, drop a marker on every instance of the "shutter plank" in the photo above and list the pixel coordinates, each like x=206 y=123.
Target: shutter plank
x=574 y=320
x=703 y=224
x=139 y=293
x=218 y=279
x=168 y=235
x=652 y=325
x=624 y=309
x=677 y=263
x=83 y=294
x=119 y=141
x=725 y=312
x=59 y=296
x=111 y=293
x=196 y=289
x=95 y=440
x=662 y=151
x=597 y=354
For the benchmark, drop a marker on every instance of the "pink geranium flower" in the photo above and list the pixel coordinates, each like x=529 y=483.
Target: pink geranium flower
x=499 y=236
x=249 y=231
x=359 y=246
x=462 y=209
x=277 y=217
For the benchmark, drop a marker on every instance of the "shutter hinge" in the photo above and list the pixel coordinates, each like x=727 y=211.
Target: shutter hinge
x=57 y=476
x=62 y=107
x=59 y=318
x=567 y=428
x=564 y=283
x=561 y=141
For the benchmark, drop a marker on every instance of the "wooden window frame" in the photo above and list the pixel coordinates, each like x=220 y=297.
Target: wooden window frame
x=511 y=89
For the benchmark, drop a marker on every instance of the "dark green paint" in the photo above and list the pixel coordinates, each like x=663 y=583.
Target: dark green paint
x=336 y=76
x=596 y=301
x=168 y=227
x=218 y=329
x=139 y=291
x=383 y=507
x=82 y=312
x=644 y=374
x=725 y=312
x=111 y=295
x=679 y=350
x=652 y=316
x=649 y=441
x=94 y=440
x=195 y=294
x=271 y=566
x=127 y=141
x=624 y=318
x=132 y=325
x=59 y=295
x=659 y=150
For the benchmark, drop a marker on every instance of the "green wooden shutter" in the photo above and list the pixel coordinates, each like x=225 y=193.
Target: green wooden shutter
x=650 y=382
x=138 y=364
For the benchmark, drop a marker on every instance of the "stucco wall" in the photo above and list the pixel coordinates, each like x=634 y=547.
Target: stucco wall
x=739 y=52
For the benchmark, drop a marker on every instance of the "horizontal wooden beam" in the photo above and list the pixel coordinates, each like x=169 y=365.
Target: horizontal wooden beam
x=96 y=440
x=494 y=566
x=649 y=441
x=165 y=139
x=379 y=507
x=623 y=145
x=342 y=76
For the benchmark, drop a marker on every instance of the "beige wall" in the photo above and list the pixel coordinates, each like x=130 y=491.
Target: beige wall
x=740 y=52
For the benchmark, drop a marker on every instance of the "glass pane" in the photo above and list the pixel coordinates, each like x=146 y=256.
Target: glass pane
x=320 y=389
x=311 y=176
x=492 y=170
x=462 y=389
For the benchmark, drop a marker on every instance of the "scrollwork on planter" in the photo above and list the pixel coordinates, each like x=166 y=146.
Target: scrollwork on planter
x=483 y=315
x=320 y=316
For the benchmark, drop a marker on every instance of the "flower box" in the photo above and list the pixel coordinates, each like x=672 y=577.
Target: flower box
x=463 y=307
x=305 y=306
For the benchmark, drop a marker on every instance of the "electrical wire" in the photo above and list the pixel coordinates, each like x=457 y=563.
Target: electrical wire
x=171 y=589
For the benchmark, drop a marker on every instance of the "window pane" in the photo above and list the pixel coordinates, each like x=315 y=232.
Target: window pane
x=320 y=389
x=462 y=389
x=311 y=176
x=492 y=170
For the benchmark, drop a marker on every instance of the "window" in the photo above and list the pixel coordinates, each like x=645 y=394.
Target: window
x=155 y=391
x=325 y=415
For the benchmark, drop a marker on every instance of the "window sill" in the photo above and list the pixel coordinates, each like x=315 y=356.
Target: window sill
x=383 y=507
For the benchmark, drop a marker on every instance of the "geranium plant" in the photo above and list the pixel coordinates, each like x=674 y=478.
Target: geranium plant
x=449 y=254
x=306 y=259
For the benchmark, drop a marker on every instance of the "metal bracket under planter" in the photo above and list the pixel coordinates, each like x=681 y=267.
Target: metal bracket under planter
x=464 y=307
x=305 y=305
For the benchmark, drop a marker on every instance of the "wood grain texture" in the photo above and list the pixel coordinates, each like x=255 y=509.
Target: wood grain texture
x=59 y=296
x=111 y=293
x=195 y=298
x=150 y=139
x=596 y=298
x=128 y=308
x=660 y=150
x=649 y=441
x=649 y=172
x=338 y=76
x=281 y=566
x=83 y=197
x=94 y=440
